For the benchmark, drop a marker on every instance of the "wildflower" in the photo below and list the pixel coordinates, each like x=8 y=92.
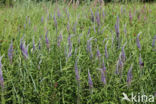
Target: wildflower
x=58 y=13
x=89 y=47
x=68 y=26
x=46 y=40
x=129 y=75
x=39 y=43
x=140 y=61
x=98 y=18
x=1 y=74
x=25 y=50
x=59 y=40
x=74 y=27
x=117 y=27
x=92 y=15
x=103 y=78
x=123 y=56
x=98 y=53
x=138 y=42
x=77 y=73
x=55 y=21
x=106 y=53
x=10 y=52
x=130 y=16
x=90 y=80
x=153 y=44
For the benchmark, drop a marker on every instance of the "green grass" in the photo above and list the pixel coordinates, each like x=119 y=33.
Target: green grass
x=48 y=77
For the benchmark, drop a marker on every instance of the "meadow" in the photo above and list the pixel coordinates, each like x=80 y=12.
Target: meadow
x=86 y=54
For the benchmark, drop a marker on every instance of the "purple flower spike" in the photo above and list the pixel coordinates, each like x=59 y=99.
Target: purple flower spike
x=39 y=43
x=90 y=80
x=138 y=42
x=92 y=15
x=98 y=18
x=69 y=46
x=117 y=27
x=10 y=52
x=130 y=16
x=106 y=53
x=1 y=74
x=123 y=56
x=25 y=50
x=141 y=62
x=59 y=40
x=55 y=21
x=74 y=27
x=46 y=40
x=153 y=44
x=103 y=66
x=117 y=68
x=77 y=73
x=103 y=78
x=89 y=47
x=58 y=13
x=103 y=13
x=129 y=75
x=88 y=31
x=68 y=27
x=98 y=53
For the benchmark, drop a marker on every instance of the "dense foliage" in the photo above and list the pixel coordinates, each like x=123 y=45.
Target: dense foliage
x=55 y=54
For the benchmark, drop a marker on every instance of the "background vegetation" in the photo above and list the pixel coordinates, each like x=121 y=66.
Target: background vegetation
x=59 y=38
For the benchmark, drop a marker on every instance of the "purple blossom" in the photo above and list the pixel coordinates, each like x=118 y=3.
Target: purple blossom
x=130 y=16
x=88 y=31
x=98 y=18
x=25 y=50
x=69 y=46
x=140 y=61
x=58 y=13
x=68 y=26
x=77 y=73
x=1 y=74
x=123 y=56
x=103 y=78
x=117 y=27
x=106 y=53
x=74 y=27
x=39 y=43
x=89 y=47
x=138 y=41
x=103 y=66
x=55 y=21
x=129 y=75
x=103 y=13
x=153 y=44
x=46 y=40
x=90 y=80
x=92 y=15
x=98 y=53
x=10 y=52
x=59 y=40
